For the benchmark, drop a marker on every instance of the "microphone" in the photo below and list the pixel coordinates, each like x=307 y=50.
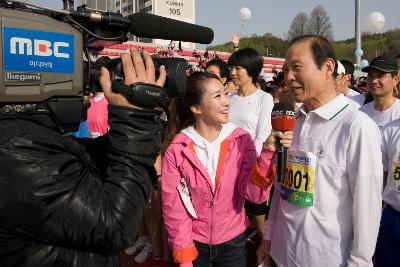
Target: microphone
x=147 y=25
x=283 y=119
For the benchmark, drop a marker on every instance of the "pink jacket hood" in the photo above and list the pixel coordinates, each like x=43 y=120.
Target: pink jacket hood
x=183 y=138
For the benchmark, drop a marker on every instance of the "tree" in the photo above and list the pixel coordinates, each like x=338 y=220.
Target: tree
x=298 y=26
x=319 y=23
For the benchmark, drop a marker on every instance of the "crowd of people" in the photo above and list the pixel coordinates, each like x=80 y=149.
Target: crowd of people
x=214 y=176
x=340 y=123
x=211 y=196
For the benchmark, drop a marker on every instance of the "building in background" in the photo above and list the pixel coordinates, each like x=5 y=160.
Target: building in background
x=183 y=10
x=103 y=5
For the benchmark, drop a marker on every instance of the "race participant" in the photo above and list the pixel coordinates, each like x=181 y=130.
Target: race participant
x=326 y=212
x=382 y=81
x=388 y=243
x=208 y=170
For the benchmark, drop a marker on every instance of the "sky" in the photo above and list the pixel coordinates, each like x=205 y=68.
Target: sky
x=275 y=16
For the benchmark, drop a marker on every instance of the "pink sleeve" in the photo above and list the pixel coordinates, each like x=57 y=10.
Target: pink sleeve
x=257 y=174
x=176 y=219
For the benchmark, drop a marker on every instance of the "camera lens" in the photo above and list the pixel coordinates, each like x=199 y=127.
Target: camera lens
x=175 y=84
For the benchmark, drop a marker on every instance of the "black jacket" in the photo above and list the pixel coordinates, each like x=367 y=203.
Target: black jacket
x=70 y=202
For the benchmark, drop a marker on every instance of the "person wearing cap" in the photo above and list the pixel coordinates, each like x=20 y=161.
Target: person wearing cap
x=349 y=76
x=357 y=97
x=388 y=244
x=342 y=85
x=343 y=79
x=382 y=81
x=397 y=58
x=340 y=79
x=326 y=212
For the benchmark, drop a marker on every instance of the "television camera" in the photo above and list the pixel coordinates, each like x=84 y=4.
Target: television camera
x=47 y=66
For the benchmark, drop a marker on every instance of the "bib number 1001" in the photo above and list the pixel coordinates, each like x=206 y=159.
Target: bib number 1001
x=298 y=185
x=297 y=180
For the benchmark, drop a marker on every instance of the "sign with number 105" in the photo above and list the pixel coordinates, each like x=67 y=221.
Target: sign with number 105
x=177 y=9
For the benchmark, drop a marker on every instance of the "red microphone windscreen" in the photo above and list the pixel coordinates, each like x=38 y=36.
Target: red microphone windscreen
x=283 y=117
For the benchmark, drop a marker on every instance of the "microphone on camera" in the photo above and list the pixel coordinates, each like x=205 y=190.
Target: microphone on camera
x=147 y=25
x=283 y=119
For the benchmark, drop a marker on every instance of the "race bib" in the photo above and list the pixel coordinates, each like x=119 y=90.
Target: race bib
x=396 y=176
x=298 y=185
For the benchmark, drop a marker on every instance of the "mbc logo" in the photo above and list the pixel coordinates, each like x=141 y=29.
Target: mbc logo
x=27 y=50
x=44 y=48
x=281 y=112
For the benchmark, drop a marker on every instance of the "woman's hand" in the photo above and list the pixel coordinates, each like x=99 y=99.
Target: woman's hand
x=285 y=138
x=263 y=253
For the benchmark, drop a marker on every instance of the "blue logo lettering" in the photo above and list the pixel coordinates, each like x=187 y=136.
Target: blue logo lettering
x=38 y=51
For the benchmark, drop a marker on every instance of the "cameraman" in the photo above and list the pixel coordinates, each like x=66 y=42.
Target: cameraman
x=69 y=202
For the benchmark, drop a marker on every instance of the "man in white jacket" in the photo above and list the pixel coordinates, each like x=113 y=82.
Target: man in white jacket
x=327 y=210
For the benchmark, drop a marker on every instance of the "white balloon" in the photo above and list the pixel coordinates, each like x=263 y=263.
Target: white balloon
x=364 y=63
x=244 y=13
x=375 y=22
x=359 y=52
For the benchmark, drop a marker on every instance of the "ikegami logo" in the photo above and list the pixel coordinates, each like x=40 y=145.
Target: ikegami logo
x=43 y=48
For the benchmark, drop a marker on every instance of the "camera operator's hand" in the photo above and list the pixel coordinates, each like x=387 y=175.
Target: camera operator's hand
x=135 y=70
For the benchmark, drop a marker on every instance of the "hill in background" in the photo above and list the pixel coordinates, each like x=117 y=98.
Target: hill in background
x=387 y=43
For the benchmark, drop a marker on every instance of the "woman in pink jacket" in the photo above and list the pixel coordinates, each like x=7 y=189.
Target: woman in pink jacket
x=209 y=168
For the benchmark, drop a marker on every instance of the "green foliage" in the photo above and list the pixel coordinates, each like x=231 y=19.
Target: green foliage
x=387 y=43
x=262 y=44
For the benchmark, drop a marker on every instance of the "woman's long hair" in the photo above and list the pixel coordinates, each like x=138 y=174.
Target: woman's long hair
x=181 y=114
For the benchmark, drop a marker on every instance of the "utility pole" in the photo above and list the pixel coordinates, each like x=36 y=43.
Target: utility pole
x=358 y=30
